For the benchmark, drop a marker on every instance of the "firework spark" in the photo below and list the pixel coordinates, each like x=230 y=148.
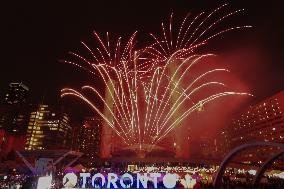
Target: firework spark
x=148 y=87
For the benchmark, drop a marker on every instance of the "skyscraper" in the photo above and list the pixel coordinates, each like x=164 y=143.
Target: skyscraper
x=49 y=128
x=14 y=117
x=16 y=94
x=91 y=137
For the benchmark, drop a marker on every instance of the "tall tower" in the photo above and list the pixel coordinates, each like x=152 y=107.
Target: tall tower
x=181 y=147
x=107 y=132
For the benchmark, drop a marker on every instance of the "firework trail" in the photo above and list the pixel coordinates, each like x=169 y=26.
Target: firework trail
x=148 y=87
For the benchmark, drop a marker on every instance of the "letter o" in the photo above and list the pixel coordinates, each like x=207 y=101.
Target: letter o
x=170 y=180
x=70 y=180
x=122 y=183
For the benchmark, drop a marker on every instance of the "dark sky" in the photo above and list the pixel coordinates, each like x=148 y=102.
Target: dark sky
x=36 y=34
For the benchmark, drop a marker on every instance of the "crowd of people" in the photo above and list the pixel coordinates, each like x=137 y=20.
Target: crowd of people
x=188 y=176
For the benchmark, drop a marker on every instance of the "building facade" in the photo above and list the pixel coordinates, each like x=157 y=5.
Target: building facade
x=86 y=137
x=91 y=137
x=48 y=128
x=261 y=122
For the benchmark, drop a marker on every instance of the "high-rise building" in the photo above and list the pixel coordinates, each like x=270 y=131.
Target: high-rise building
x=48 y=128
x=107 y=132
x=90 y=137
x=86 y=137
x=76 y=135
x=14 y=116
x=261 y=122
x=17 y=93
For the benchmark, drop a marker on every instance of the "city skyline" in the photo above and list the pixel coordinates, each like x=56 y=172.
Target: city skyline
x=48 y=39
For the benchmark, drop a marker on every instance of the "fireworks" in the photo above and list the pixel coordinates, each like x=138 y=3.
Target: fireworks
x=147 y=89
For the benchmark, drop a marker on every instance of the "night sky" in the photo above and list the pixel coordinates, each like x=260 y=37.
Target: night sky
x=36 y=34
